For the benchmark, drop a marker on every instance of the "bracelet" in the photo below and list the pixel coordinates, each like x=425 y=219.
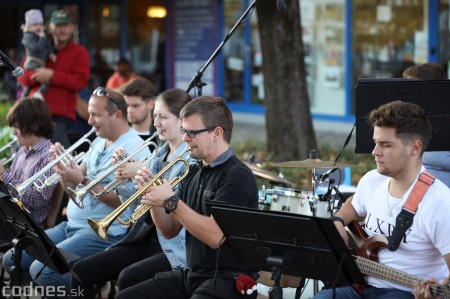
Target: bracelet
x=336 y=218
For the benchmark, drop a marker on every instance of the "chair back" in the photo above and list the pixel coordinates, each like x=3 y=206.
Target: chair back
x=55 y=211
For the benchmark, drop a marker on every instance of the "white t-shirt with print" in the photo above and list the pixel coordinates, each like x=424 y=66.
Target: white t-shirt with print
x=421 y=252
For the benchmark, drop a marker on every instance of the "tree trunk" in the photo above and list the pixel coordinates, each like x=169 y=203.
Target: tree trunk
x=290 y=133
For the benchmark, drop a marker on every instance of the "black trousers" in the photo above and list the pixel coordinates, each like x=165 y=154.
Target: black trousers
x=130 y=264
x=180 y=284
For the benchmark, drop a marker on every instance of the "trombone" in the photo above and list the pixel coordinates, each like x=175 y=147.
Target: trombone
x=101 y=227
x=17 y=191
x=78 y=194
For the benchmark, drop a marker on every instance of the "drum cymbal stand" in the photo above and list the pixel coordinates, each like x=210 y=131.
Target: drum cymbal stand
x=313 y=206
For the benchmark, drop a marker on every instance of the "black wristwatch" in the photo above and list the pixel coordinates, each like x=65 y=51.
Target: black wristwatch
x=171 y=204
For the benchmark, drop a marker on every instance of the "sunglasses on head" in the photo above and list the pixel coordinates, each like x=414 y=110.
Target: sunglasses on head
x=101 y=92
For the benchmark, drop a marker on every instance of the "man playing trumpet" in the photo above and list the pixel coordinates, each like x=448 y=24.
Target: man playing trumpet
x=219 y=176
x=144 y=251
x=107 y=114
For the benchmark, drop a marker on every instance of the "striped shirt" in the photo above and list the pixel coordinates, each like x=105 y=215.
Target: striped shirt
x=26 y=163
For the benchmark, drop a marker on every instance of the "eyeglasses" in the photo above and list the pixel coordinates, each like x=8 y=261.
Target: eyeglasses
x=192 y=133
x=101 y=92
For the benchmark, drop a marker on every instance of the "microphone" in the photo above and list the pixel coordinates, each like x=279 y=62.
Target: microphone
x=17 y=71
x=281 y=6
x=325 y=175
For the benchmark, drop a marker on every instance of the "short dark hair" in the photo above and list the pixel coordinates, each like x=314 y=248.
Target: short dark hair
x=175 y=99
x=409 y=120
x=214 y=113
x=426 y=71
x=32 y=117
x=139 y=87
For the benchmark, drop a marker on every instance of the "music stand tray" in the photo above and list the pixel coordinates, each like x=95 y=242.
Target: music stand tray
x=305 y=246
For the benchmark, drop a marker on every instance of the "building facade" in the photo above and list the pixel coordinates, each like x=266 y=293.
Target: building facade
x=171 y=41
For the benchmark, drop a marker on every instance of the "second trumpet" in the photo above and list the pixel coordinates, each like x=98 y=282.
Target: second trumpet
x=101 y=226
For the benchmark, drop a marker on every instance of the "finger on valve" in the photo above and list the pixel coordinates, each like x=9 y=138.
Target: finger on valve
x=118 y=155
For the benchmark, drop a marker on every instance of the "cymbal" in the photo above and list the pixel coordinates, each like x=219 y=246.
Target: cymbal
x=266 y=174
x=311 y=163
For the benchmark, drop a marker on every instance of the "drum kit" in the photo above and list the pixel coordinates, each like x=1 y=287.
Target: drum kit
x=281 y=197
x=285 y=199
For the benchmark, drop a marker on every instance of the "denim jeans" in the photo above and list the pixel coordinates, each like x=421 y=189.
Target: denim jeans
x=369 y=293
x=82 y=242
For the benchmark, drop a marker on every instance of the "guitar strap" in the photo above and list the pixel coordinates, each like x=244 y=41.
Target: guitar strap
x=405 y=217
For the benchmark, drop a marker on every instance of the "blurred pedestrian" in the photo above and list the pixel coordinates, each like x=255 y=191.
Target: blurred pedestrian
x=66 y=76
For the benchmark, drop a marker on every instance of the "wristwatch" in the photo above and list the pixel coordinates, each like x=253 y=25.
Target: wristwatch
x=171 y=204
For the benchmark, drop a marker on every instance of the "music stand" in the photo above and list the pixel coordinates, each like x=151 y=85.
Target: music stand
x=285 y=243
x=19 y=228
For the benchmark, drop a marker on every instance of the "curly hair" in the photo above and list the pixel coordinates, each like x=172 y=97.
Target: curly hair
x=409 y=120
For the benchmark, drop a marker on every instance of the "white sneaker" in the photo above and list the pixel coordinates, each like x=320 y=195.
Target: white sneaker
x=38 y=95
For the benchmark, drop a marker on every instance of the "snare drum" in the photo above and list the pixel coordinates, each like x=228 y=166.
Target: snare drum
x=283 y=199
x=294 y=201
x=322 y=207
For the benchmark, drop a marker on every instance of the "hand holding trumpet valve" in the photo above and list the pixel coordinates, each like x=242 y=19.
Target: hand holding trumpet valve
x=66 y=167
x=127 y=170
x=155 y=195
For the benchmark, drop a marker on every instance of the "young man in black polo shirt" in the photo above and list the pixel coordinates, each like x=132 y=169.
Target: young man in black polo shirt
x=219 y=175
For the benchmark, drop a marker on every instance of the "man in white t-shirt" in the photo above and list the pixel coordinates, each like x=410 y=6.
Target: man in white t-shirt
x=402 y=132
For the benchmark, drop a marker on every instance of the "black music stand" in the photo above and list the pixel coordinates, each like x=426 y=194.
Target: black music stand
x=19 y=228
x=285 y=243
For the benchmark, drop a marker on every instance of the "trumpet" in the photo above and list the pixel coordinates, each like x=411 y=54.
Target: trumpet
x=111 y=186
x=8 y=160
x=101 y=226
x=78 y=194
x=11 y=146
x=17 y=191
x=54 y=178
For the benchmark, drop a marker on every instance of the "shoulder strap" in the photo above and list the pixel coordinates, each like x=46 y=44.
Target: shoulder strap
x=404 y=219
x=424 y=182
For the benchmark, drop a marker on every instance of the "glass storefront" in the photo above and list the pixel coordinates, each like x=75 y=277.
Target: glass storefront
x=324 y=39
x=344 y=41
x=444 y=34
x=387 y=37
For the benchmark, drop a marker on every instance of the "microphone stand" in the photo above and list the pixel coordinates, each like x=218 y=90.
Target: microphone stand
x=197 y=79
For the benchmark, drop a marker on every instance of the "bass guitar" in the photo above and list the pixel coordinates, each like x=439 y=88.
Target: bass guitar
x=366 y=256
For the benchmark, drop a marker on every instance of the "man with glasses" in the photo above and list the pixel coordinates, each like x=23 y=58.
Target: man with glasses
x=218 y=176
x=107 y=114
